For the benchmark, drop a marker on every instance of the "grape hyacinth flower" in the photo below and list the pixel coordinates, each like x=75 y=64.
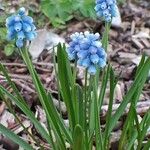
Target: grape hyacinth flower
x=20 y=27
x=87 y=50
x=106 y=9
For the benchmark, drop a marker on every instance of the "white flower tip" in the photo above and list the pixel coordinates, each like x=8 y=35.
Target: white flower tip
x=86 y=33
x=22 y=9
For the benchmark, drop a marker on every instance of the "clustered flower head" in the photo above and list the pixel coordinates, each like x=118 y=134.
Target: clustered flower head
x=20 y=27
x=106 y=9
x=87 y=50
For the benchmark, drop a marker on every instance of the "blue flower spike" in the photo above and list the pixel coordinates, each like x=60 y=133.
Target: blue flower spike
x=20 y=28
x=106 y=9
x=87 y=50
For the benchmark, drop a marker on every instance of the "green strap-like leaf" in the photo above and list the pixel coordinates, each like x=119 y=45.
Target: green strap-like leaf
x=145 y=120
x=27 y=111
x=66 y=80
x=45 y=101
x=78 y=138
x=147 y=146
x=15 y=138
x=140 y=76
x=113 y=83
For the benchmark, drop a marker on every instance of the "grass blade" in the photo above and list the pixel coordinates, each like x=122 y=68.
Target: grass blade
x=15 y=138
x=113 y=83
x=78 y=138
x=134 y=136
x=141 y=75
x=27 y=111
x=147 y=146
x=66 y=80
x=46 y=101
x=105 y=77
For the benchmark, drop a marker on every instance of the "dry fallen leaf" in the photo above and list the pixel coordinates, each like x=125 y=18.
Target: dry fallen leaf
x=45 y=40
x=137 y=60
x=2 y=107
x=144 y=33
x=7 y=118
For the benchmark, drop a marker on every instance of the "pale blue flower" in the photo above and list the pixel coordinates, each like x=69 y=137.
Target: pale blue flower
x=74 y=45
x=30 y=35
x=20 y=27
x=87 y=50
x=106 y=9
x=21 y=35
x=92 y=69
x=21 y=11
x=19 y=43
x=27 y=27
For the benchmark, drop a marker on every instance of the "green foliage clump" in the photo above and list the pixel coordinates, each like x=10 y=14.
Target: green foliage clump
x=61 y=11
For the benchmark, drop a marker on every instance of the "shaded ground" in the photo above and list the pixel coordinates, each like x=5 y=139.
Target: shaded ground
x=127 y=43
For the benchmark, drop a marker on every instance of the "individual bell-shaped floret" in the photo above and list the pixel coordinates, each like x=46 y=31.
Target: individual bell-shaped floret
x=30 y=35
x=19 y=43
x=18 y=26
x=20 y=35
x=92 y=69
x=21 y=11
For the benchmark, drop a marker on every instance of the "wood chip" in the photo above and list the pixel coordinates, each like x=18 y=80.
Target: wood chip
x=137 y=44
x=142 y=107
x=2 y=108
x=146 y=42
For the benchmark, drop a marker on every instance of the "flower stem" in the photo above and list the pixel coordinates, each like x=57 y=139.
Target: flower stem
x=106 y=36
x=85 y=110
x=98 y=134
x=74 y=91
x=57 y=82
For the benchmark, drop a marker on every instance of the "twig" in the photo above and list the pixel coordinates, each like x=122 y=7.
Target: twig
x=23 y=65
x=24 y=86
x=142 y=107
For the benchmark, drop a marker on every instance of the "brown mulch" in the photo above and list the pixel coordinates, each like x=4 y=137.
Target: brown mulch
x=127 y=43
